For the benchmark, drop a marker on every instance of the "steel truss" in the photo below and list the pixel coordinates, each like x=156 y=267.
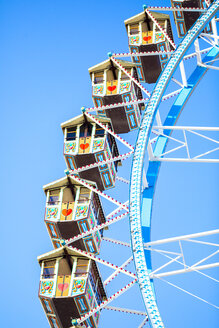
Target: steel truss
x=165 y=131
x=138 y=158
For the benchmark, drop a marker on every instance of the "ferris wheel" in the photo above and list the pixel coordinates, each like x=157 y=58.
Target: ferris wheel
x=143 y=99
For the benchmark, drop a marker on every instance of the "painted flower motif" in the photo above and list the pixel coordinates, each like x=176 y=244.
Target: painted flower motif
x=98 y=89
x=98 y=144
x=81 y=211
x=78 y=286
x=70 y=147
x=134 y=39
x=46 y=287
x=159 y=36
x=52 y=213
x=124 y=87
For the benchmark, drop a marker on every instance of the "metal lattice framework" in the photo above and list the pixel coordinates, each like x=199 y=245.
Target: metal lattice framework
x=153 y=138
x=141 y=146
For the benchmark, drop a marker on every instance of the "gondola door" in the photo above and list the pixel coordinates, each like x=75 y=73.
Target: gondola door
x=64 y=277
x=111 y=87
x=67 y=204
x=63 y=283
x=85 y=138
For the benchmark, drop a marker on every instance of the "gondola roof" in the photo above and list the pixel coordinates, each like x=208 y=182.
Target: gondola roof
x=64 y=182
x=141 y=17
x=81 y=119
x=59 y=252
x=107 y=63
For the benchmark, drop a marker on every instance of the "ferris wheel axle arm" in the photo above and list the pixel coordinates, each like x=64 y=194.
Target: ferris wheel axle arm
x=154 y=156
x=204 y=259
x=131 y=77
x=191 y=294
x=107 y=161
x=117 y=105
x=104 y=303
x=187 y=160
x=184 y=237
x=187 y=128
x=104 y=262
x=154 y=53
x=210 y=66
x=113 y=308
x=94 y=189
x=187 y=268
x=160 y=28
x=189 y=9
x=210 y=35
x=114 y=274
x=95 y=229
x=110 y=131
x=165 y=265
x=117 y=210
x=208 y=40
x=143 y=322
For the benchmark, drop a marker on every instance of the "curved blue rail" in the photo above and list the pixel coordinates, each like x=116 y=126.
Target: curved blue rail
x=161 y=143
x=140 y=234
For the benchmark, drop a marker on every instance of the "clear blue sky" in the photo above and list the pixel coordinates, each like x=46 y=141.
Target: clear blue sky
x=47 y=47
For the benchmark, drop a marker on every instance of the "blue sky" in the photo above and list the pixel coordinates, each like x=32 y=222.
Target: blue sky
x=46 y=50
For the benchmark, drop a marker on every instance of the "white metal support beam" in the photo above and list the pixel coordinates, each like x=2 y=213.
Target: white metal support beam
x=115 y=273
x=185 y=291
x=113 y=308
x=198 y=53
x=105 y=303
x=187 y=268
x=143 y=322
x=214 y=29
x=184 y=237
x=200 y=157
x=183 y=73
x=210 y=66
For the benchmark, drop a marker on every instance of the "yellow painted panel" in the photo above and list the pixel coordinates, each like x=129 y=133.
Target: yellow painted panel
x=147 y=37
x=63 y=210
x=59 y=286
x=111 y=87
x=84 y=145
x=70 y=211
x=67 y=211
x=66 y=285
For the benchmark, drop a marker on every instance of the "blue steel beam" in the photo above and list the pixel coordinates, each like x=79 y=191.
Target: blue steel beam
x=140 y=228
x=161 y=143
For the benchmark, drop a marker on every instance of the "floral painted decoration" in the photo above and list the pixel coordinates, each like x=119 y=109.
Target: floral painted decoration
x=46 y=287
x=159 y=36
x=78 y=286
x=98 y=145
x=134 y=39
x=81 y=211
x=70 y=147
x=98 y=90
x=124 y=87
x=51 y=213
